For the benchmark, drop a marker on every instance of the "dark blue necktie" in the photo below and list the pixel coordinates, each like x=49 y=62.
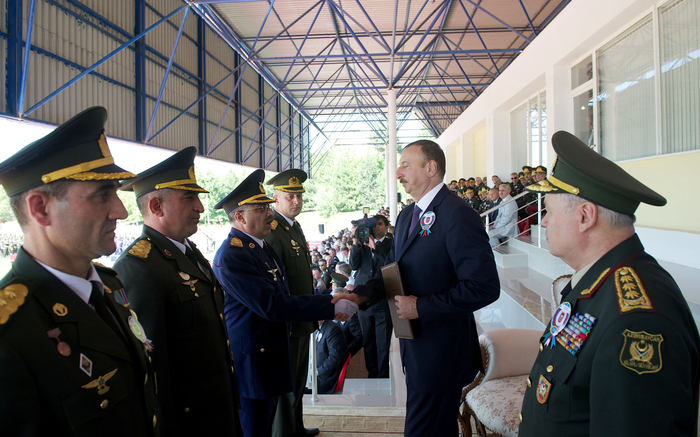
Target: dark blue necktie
x=414 y=219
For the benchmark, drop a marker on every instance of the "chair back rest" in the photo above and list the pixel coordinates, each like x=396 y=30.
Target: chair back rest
x=341 y=377
x=557 y=286
x=509 y=352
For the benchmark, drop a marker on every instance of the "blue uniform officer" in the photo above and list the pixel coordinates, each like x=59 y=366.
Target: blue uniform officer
x=258 y=306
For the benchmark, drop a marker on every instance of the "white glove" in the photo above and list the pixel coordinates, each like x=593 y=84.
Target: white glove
x=346 y=307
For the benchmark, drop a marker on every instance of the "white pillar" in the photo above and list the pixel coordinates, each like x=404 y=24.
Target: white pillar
x=391 y=167
x=387 y=178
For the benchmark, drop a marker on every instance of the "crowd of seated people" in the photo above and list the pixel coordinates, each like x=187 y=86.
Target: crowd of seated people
x=502 y=222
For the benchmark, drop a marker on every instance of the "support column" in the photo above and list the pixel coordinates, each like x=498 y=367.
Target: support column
x=391 y=163
x=387 y=176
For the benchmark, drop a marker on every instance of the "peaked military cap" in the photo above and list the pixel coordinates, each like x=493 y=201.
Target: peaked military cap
x=76 y=150
x=176 y=173
x=453 y=182
x=579 y=170
x=461 y=180
x=249 y=191
x=339 y=279
x=470 y=190
x=471 y=180
x=521 y=175
x=527 y=169
x=541 y=169
x=289 y=181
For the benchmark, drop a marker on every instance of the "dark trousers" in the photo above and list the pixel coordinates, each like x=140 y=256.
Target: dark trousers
x=432 y=414
x=376 y=336
x=256 y=416
x=290 y=414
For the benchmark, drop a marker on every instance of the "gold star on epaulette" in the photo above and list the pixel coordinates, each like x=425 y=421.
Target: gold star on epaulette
x=631 y=294
x=141 y=249
x=236 y=242
x=274 y=224
x=11 y=298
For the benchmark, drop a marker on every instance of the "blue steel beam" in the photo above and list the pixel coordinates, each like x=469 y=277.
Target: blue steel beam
x=404 y=54
x=342 y=13
x=528 y=17
x=102 y=61
x=167 y=73
x=25 y=62
x=478 y=35
x=406 y=36
x=140 y=71
x=228 y=105
x=14 y=54
x=506 y=25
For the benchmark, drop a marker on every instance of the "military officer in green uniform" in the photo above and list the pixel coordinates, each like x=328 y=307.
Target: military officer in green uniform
x=289 y=243
x=621 y=354
x=180 y=303
x=73 y=359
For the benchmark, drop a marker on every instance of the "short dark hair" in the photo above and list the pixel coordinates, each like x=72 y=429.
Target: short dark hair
x=55 y=189
x=431 y=152
x=143 y=200
x=381 y=218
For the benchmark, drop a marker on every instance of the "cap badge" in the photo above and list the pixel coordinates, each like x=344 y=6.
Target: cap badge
x=294 y=181
x=426 y=222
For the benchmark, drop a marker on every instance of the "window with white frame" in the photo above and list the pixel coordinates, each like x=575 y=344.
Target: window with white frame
x=528 y=132
x=647 y=86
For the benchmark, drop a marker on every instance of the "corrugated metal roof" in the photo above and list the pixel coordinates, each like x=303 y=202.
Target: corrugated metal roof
x=335 y=56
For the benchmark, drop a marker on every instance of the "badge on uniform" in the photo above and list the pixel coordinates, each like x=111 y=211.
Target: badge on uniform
x=138 y=331
x=120 y=296
x=295 y=246
x=62 y=347
x=559 y=321
x=543 y=387
x=576 y=332
x=100 y=383
x=86 y=365
x=641 y=352
x=426 y=222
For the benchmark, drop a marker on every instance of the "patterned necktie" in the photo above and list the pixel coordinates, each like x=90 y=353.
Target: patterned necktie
x=414 y=219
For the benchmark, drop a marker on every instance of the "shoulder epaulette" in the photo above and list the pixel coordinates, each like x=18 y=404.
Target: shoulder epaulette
x=274 y=224
x=104 y=269
x=236 y=242
x=631 y=295
x=11 y=298
x=140 y=249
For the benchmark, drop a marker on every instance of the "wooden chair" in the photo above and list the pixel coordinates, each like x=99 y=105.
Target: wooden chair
x=557 y=286
x=495 y=398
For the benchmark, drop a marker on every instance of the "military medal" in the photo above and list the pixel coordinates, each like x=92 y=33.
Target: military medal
x=576 y=332
x=426 y=222
x=559 y=321
x=60 y=309
x=138 y=331
x=100 y=383
x=120 y=296
x=62 y=347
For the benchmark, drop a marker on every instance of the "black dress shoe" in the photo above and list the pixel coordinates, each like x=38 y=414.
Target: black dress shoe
x=307 y=432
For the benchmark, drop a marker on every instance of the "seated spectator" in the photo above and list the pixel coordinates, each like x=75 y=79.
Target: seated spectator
x=325 y=272
x=331 y=354
x=527 y=171
x=472 y=199
x=319 y=285
x=505 y=224
x=495 y=201
x=496 y=181
x=352 y=328
x=540 y=173
x=344 y=269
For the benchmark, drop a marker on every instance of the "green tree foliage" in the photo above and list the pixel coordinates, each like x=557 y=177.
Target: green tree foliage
x=6 y=214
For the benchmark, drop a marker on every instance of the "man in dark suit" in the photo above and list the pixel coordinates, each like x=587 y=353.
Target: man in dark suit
x=73 y=360
x=621 y=356
x=448 y=272
x=331 y=354
x=179 y=301
x=258 y=306
x=367 y=259
x=289 y=243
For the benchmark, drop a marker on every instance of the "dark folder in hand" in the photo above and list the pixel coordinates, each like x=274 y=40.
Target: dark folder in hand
x=394 y=287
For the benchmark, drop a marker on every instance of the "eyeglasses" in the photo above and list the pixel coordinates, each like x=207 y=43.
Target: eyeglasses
x=263 y=208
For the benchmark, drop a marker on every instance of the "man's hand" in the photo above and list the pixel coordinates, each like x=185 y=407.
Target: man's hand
x=372 y=245
x=344 y=309
x=407 y=308
x=352 y=297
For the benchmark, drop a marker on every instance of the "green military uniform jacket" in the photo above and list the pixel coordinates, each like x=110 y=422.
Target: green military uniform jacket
x=637 y=371
x=181 y=310
x=96 y=385
x=290 y=245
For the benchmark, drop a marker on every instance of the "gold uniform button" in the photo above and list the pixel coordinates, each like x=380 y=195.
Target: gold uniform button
x=145 y=380
x=232 y=371
x=529 y=382
x=262 y=350
x=221 y=316
x=541 y=347
x=187 y=410
x=154 y=420
x=228 y=343
x=104 y=404
x=520 y=416
x=550 y=368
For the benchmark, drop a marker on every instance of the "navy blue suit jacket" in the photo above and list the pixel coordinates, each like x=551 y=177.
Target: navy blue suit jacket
x=452 y=272
x=331 y=354
x=257 y=308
